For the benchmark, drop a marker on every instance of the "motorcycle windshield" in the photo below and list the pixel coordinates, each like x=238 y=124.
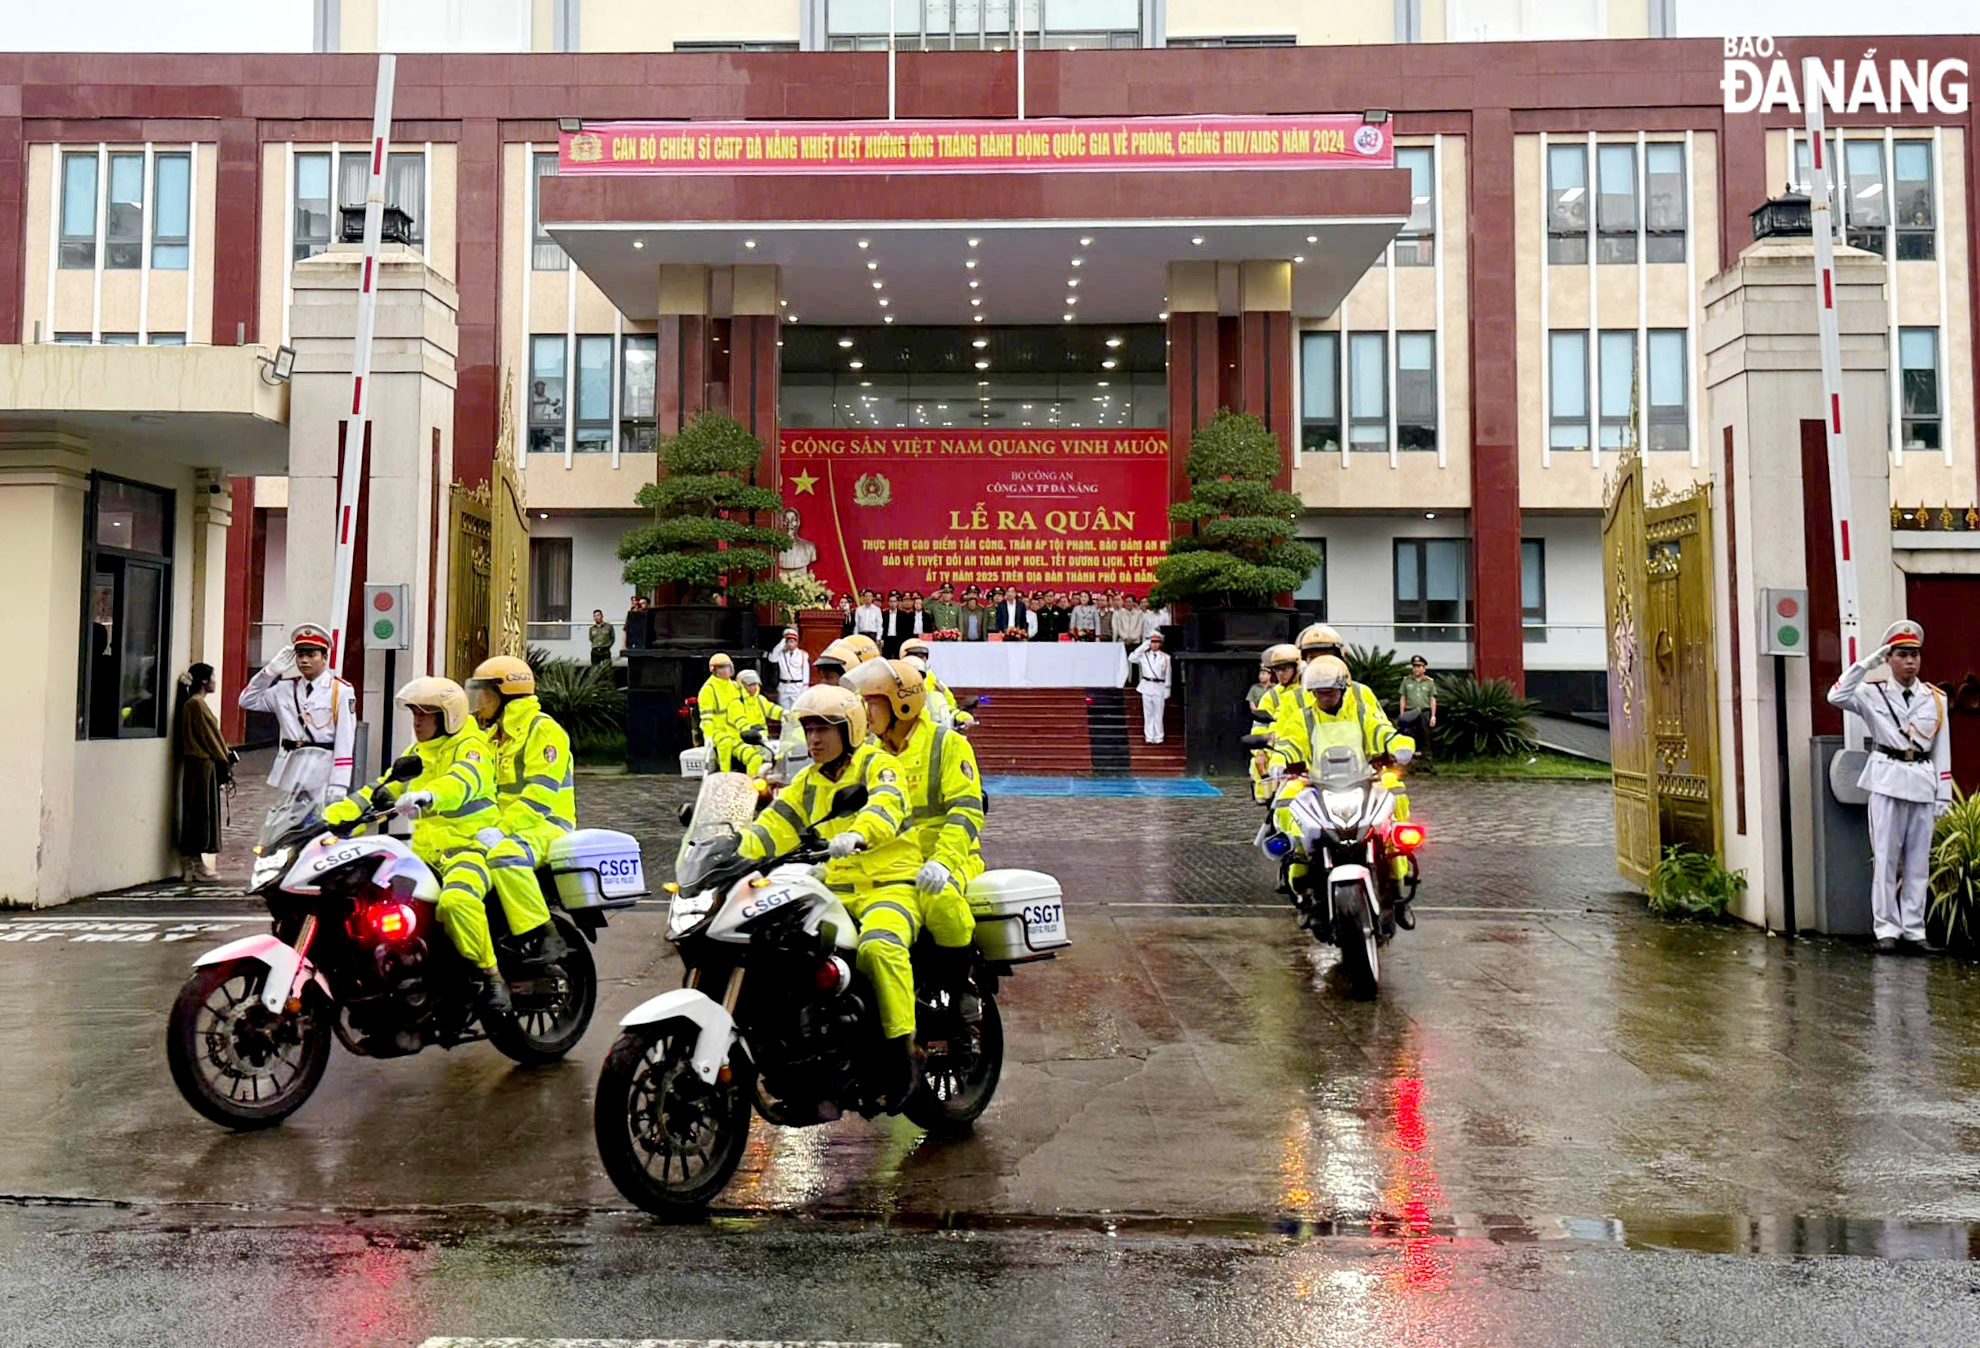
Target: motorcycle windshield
x=1341 y=768
x=298 y=811
x=722 y=810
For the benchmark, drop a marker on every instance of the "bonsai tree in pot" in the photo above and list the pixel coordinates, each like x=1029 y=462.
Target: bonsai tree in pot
x=703 y=547
x=1240 y=553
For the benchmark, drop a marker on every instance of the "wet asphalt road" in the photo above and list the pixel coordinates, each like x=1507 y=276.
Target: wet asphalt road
x=1562 y=1123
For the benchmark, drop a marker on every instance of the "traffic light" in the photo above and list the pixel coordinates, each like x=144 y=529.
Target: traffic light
x=387 y=618
x=1784 y=622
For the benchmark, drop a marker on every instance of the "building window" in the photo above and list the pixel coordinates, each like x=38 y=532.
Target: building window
x=73 y=339
x=734 y=46
x=78 y=246
x=123 y=214
x=1416 y=246
x=1663 y=211
x=1567 y=205
x=1416 y=390
x=1567 y=385
x=564 y=25
x=1918 y=384
x=1320 y=392
x=637 y=432
x=1911 y=173
x=1368 y=391
x=119 y=339
x=171 y=215
x=1615 y=218
x=1533 y=588
x=1311 y=597
x=1618 y=352
x=545 y=253
x=1670 y=412
x=982 y=25
x=1804 y=169
x=546 y=394
x=549 y=589
x=1431 y=599
x=166 y=339
x=405 y=187
x=1236 y=40
x=312 y=227
x=125 y=637
x=1869 y=203
x=594 y=395
x=326 y=30
x=1409 y=21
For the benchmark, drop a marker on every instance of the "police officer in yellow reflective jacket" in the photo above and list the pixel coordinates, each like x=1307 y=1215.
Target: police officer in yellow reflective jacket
x=1283 y=663
x=945 y=800
x=873 y=861
x=535 y=786
x=1318 y=640
x=1323 y=717
x=454 y=797
x=715 y=706
x=753 y=711
x=942 y=707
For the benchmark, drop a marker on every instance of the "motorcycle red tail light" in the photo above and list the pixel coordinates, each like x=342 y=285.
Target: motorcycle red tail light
x=1408 y=837
x=391 y=921
x=832 y=975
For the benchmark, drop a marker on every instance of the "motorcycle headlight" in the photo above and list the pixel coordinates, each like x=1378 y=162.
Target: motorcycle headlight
x=689 y=914
x=269 y=866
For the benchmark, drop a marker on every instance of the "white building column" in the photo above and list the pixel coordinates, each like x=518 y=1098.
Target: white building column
x=44 y=486
x=213 y=515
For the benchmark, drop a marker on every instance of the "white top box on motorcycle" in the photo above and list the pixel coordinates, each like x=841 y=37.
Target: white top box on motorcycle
x=596 y=868
x=1020 y=916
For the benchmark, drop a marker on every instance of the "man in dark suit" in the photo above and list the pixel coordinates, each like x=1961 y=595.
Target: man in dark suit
x=897 y=625
x=1010 y=612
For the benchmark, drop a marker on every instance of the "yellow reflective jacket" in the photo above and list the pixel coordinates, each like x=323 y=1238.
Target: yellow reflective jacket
x=945 y=798
x=716 y=706
x=460 y=772
x=535 y=776
x=754 y=709
x=890 y=856
x=1303 y=730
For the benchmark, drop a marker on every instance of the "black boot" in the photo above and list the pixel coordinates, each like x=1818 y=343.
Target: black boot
x=492 y=995
x=898 y=1069
x=956 y=968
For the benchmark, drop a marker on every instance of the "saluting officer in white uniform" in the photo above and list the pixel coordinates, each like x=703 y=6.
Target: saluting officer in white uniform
x=1154 y=686
x=317 y=714
x=1909 y=778
x=793 y=670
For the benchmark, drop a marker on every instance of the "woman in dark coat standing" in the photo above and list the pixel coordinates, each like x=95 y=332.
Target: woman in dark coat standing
x=205 y=765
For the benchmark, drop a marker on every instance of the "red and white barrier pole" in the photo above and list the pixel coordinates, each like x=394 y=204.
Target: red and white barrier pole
x=1832 y=390
x=350 y=486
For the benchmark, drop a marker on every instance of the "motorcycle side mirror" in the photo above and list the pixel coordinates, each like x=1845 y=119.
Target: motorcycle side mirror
x=1260 y=715
x=849 y=800
x=1256 y=741
x=968 y=703
x=687 y=814
x=407 y=767
x=753 y=735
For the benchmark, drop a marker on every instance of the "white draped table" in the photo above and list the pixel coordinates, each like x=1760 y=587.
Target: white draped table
x=1030 y=664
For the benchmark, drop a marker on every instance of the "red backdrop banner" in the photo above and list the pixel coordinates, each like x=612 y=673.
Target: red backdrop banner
x=909 y=510
x=1045 y=144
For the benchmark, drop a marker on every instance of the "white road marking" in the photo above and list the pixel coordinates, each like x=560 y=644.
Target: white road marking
x=125 y=931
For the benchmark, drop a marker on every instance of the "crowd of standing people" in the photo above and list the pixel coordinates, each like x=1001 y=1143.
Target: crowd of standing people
x=1007 y=614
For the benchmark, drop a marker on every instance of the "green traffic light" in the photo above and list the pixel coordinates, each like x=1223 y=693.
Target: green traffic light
x=1788 y=636
x=382 y=629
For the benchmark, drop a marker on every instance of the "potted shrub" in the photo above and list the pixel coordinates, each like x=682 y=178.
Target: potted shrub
x=1952 y=911
x=1240 y=554
x=703 y=549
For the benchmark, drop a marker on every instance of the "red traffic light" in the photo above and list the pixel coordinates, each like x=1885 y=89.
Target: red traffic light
x=382 y=601
x=1786 y=606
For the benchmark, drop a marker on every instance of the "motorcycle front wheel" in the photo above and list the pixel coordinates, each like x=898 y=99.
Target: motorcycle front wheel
x=235 y=1061
x=956 y=1086
x=545 y=1026
x=670 y=1142
x=1354 y=933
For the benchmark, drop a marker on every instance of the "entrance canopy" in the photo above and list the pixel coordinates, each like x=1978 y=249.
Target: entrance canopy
x=1045 y=247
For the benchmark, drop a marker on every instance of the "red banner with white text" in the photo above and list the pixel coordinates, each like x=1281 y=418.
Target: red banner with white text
x=912 y=510
x=1040 y=145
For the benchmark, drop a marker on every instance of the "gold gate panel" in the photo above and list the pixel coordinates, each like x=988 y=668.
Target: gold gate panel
x=1663 y=694
x=488 y=558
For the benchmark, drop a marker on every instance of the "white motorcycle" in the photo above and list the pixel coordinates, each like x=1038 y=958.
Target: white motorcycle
x=795 y=1034
x=1347 y=834
x=355 y=950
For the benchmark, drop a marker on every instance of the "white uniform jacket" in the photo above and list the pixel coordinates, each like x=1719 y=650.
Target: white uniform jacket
x=318 y=730
x=1921 y=770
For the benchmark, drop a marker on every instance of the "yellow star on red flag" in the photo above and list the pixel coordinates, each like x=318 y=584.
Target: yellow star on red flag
x=804 y=482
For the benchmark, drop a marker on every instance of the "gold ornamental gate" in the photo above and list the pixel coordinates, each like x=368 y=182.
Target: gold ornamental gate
x=488 y=559
x=1663 y=692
